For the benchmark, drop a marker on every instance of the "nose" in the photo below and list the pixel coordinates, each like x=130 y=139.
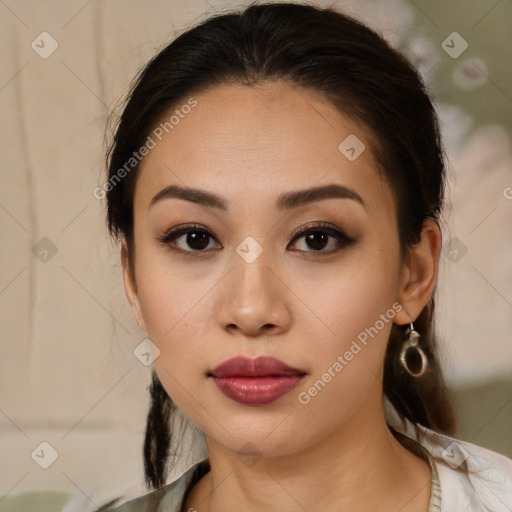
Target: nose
x=255 y=299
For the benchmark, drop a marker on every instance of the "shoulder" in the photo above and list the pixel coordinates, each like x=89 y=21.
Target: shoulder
x=169 y=498
x=147 y=503
x=472 y=478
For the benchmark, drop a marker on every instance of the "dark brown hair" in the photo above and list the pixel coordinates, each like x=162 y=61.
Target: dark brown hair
x=331 y=53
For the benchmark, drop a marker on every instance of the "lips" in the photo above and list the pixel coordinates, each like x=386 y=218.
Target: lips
x=255 y=382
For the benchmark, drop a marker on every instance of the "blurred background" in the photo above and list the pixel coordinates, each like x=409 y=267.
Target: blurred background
x=69 y=377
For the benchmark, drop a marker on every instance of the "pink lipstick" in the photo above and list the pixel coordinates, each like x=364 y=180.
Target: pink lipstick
x=255 y=382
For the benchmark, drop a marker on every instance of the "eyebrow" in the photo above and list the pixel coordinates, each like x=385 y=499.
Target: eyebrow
x=285 y=201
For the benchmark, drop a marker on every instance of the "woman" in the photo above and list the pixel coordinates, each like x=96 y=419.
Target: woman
x=276 y=181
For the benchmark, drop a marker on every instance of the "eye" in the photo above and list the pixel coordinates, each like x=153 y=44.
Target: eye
x=189 y=239
x=320 y=236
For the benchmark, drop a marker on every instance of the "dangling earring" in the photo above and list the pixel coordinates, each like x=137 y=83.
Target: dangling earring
x=412 y=357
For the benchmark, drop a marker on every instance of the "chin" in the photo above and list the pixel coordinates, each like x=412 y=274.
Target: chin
x=271 y=434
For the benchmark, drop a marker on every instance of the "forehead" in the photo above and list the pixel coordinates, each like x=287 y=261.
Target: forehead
x=259 y=140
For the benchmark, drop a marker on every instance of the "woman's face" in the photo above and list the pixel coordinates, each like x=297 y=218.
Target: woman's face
x=242 y=283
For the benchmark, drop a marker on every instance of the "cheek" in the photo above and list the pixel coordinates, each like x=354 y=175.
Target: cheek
x=355 y=345
x=347 y=359
x=177 y=311
x=344 y=299
x=170 y=291
x=353 y=315
x=170 y=305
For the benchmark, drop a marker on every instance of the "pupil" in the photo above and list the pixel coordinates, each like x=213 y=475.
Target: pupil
x=197 y=240
x=317 y=240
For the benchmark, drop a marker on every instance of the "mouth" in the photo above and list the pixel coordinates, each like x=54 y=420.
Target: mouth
x=255 y=382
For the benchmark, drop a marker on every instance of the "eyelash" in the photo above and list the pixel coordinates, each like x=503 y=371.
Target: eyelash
x=343 y=239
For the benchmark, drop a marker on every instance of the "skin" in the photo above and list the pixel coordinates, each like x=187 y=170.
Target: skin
x=249 y=144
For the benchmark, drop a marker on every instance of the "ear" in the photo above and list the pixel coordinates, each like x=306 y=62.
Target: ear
x=130 y=287
x=419 y=273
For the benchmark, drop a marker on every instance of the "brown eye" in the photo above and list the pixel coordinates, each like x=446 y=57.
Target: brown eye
x=188 y=239
x=321 y=236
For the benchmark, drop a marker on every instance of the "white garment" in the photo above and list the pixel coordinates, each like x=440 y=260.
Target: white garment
x=487 y=485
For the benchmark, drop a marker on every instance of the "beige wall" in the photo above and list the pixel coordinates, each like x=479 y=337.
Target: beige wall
x=67 y=372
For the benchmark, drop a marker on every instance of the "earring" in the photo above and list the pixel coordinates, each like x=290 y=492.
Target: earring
x=412 y=358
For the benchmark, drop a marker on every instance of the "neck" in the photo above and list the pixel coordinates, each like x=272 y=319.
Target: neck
x=353 y=468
